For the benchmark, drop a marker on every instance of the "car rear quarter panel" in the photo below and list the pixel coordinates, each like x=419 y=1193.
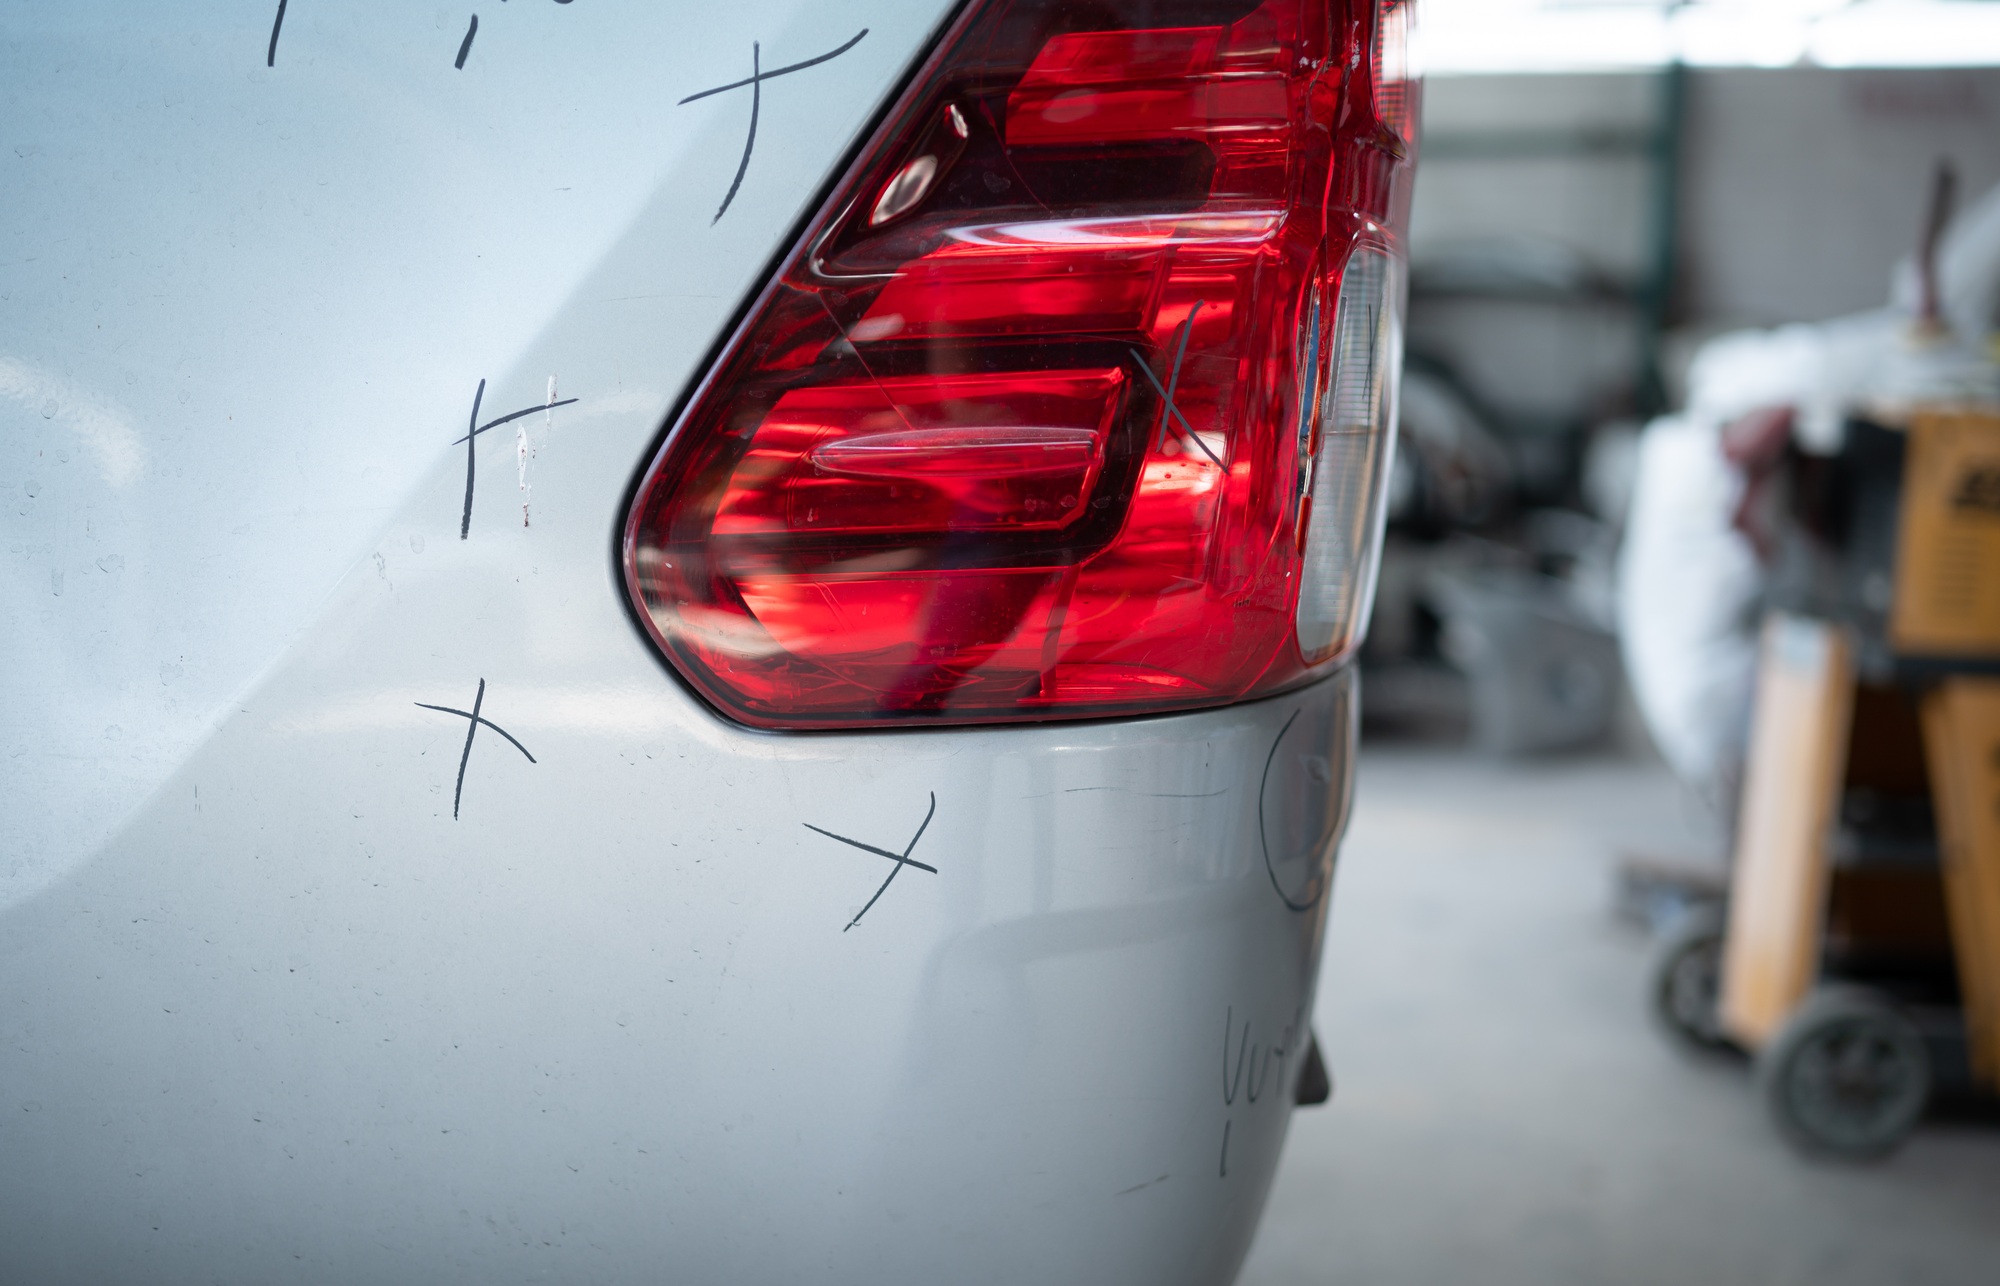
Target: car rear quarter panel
x=296 y=986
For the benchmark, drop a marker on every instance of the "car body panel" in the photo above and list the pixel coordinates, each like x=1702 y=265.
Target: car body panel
x=246 y=308
x=297 y=982
x=613 y=1018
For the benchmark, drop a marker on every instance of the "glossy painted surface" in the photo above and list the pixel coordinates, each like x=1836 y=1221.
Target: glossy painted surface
x=244 y=310
x=267 y=1010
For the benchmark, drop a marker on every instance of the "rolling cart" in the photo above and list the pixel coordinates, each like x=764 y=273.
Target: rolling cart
x=1857 y=954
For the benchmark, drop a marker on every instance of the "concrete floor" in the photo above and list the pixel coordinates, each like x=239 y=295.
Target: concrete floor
x=1504 y=1113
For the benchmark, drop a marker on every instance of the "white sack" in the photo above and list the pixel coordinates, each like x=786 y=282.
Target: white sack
x=1688 y=593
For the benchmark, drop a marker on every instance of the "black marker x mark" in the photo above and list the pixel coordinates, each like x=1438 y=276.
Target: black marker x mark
x=473 y=429
x=901 y=859
x=1167 y=408
x=756 y=83
x=474 y=720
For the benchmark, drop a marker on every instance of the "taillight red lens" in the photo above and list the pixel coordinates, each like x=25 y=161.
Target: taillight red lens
x=1063 y=394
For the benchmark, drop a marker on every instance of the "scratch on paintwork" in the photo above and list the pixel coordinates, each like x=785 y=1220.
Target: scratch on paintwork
x=474 y=429
x=524 y=448
x=1141 y=1187
x=1148 y=794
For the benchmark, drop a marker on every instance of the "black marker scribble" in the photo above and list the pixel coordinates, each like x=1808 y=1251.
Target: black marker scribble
x=473 y=429
x=1231 y=1082
x=1259 y=1079
x=464 y=46
x=474 y=721
x=1264 y=839
x=1167 y=408
x=471 y=432
x=901 y=859
x=277 y=25
x=756 y=83
x=1258 y=1059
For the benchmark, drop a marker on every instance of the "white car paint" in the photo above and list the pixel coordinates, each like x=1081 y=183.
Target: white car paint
x=267 y=1011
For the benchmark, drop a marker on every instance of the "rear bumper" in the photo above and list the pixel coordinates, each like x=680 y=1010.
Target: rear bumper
x=611 y=1024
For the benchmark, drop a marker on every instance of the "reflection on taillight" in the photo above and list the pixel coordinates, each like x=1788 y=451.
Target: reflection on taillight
x=1398 y=79
x=1073 y=398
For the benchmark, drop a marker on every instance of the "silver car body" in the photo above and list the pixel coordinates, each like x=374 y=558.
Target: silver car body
x=268 y=1010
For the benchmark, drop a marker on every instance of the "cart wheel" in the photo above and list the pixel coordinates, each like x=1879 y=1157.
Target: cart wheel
x=1686 y=980
x=1846 y=1075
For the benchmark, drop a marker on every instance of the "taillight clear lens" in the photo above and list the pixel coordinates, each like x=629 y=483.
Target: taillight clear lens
x=1398 y=80
x=1045 y=417
x=1346 y=484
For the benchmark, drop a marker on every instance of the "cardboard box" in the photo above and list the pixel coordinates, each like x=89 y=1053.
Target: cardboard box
x=1948 y=544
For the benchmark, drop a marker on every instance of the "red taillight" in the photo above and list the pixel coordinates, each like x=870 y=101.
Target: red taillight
x=1065 y=392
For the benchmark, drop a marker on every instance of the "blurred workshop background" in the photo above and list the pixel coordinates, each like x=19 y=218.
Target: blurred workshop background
x=1666 y=945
